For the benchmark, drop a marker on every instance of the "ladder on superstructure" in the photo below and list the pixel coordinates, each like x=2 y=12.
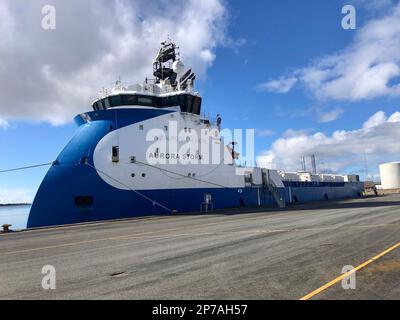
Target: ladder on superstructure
x=274 y=191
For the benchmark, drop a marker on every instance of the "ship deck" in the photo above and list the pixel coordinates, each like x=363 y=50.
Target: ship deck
x=267 y=254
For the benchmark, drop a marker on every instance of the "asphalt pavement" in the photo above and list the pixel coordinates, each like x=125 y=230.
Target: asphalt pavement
x=263 y=254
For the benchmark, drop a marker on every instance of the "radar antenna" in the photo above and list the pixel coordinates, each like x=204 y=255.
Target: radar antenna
x=162 y=65
x=167 y=66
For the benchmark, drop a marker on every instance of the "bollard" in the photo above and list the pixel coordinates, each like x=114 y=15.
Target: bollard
x=6 y=227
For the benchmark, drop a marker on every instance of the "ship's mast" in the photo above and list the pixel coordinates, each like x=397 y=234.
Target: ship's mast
x=168 y=68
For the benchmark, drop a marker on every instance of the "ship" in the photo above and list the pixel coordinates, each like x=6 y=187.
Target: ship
x=132 y=156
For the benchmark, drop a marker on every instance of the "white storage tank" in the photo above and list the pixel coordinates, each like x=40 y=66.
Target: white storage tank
x=390 y=175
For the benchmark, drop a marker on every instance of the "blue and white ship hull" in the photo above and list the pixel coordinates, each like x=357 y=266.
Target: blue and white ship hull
x=83 y=184
x=84 y=170
x=118 y=166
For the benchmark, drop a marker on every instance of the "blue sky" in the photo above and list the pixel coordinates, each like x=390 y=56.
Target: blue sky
x=244 y=50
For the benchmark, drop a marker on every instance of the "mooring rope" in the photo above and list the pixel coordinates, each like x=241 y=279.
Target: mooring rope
x=126 y=186
x=27 y=167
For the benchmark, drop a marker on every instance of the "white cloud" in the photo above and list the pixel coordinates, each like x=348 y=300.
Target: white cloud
x=374 y=5
x=366 y=69
x=379 y=137
x=294 y=133
x=377 y=119
x=281 y=85
x=52 y=75
x=4 y=124
x=15 y=195
x=330 y=116
x=395 y=117
x=234 y=44
x=267 y=160
x=265 y=133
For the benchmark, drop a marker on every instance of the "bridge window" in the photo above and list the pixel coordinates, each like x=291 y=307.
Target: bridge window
x=196 y=105
x=116 y=101
x=146 y=101
x=188 y=103
x=107 y=103
x=129 y=99
x=173 y=101
x=98 y=105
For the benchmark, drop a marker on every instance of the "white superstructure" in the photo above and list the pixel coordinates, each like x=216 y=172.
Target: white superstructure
x=304 y=176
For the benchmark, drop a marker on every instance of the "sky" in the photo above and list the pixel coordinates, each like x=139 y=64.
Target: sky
x=285 y=68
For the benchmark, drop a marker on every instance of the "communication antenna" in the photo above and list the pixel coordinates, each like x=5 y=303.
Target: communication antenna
x=313 y=164
x=321 y=164
x=303 y=163
x=365 y=165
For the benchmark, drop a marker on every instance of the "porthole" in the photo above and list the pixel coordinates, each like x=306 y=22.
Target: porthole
x=143 y=175
x=132 y=175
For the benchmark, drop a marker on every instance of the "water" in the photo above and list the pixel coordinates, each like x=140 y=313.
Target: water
x=15 y=215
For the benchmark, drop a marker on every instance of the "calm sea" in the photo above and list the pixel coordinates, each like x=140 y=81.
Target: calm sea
x=15 y=215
